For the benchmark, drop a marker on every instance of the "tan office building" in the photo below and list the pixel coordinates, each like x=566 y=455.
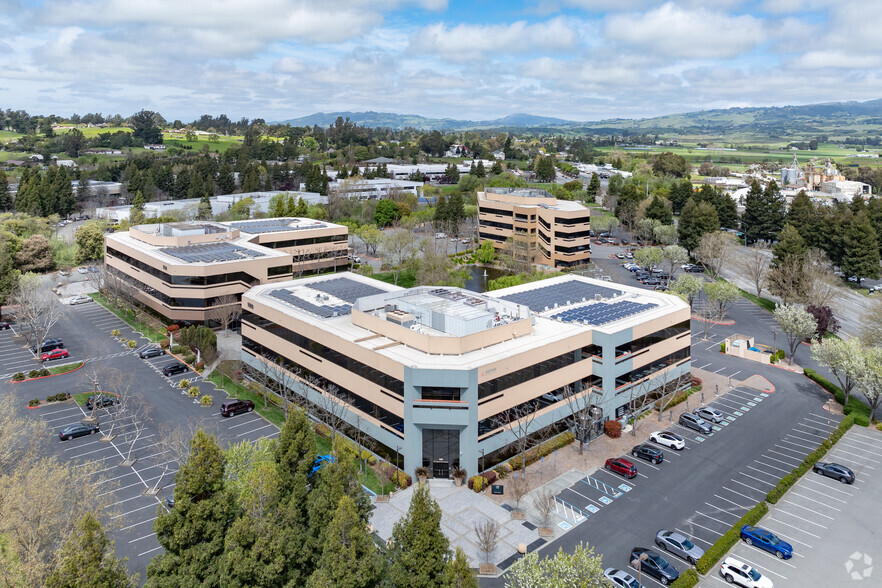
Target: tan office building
x=189 y=270
x=556 y=232
x=433 y=374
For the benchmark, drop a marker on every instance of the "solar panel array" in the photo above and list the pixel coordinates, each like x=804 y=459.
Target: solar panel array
x=602 y=313
x=345 y=289
x=564 y=293
x=273 y=226
x=210 y=252
x=322 y=310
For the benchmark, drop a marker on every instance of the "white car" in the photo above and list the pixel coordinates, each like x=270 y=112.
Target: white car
x=736 y=572
x=79 y=300
x=83 y=270
x=668 y=439
x=620 y=579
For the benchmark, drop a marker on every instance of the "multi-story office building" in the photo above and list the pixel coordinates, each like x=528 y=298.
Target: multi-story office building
x=435 y=374
x=547 y=230
x=190 y=270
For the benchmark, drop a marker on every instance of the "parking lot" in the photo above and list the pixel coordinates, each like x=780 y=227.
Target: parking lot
x=137 y=434
x=831 y=526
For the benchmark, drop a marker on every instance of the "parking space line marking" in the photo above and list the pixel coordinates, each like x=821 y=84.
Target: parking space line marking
x=792 y=492
x=798 y=453
x=826 y=486
x=862 y=436
x=778 y=460
x=253 y=430
x=643 y=475
x=69 y=409
x=784 y=455
x=818 y=423
x=823 y=494
x=729 y=501
x=739 y=494
x=753 y=565
x=802 y=439
x=853 y=462
x=139 y=523
x=704 y=366
x=782 y=511
x=157 y=548
x=717 y=520
x=144 y=537
x=844 y=444
x=154 y=504
x=714 y=533
x=645 y=576
x=693 y=536
x=809 y=449
x=273 y=434
x=751 y=487
x=772 y=467
x=762 y=472
x=245 y=423
x=800 y=431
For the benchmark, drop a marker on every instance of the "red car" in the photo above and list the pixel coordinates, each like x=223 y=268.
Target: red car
x=622 y=466
x=54 y=354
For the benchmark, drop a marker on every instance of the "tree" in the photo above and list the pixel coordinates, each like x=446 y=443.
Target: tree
x=386 y=213
x=696 y=220
x=226 y=310
x=861 y=257
x=486 y=253
x=451 y=173
x=756 y=266
x=649 y=257
x=660 y=210
x=680 y=192
x=90 y=242
x=487 y=535
x=713 y=250
x=193 y=532
x=764 y=212
x=5 y=196
x=145 y=127
x=581 y=569
x=397 y=249
x=787 y=278
x=74 y=141
x=593 y=188
x=802 y=215
x=349 y=558
x=674 y=256
x=38 y=309
x=664 y=234
x=842 y=357
x=796 y=323
x=35 y=255
x=371 y=236
x=419 y=552
x=687 y=285
x=458 y=573
x=869 y=377
x=824 y=319
x=671 y=164
x=87 y=560
x=204 y=210
x=435 y=266
x=720 y=298
x=545 y=171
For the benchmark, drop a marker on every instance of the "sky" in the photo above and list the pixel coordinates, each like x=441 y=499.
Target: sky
x=477 y=60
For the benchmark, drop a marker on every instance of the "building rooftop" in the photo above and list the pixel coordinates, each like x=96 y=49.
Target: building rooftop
x=545 y=297
x=522 y=192
x=211 y=252
x=277 y=225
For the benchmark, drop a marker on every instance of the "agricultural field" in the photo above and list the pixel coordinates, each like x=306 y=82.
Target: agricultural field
x=9 y=136
x=91 y=132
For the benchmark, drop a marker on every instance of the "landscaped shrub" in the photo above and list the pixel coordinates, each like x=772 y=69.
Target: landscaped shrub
x=710 y=558
x=193 y=392
x=60 y=397
x=206 y=400
x=131 y=343
x=367 y=456
x=490 y=476
x=177 y=349
x=687 y=579
x=679 y=397
x=189 y=358
x=34 y=402
x=322 y=430
x=723 y=347
x=34 y=374
x=696 y=381
x=172 y=328
x=826 y=384
x=501 y=470
x=862 y=420
x=115 y=332
x=199 y=365
x=184 y=384
x=45 y=372
x=613 y=429
x=477 y=483
x=536 y=453
x=164 y=344
x=18 y=377
x=401 y=479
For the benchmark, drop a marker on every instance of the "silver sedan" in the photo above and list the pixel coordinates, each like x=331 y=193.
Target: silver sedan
x=679 y=545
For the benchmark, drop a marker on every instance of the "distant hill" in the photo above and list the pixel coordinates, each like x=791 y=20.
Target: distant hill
x=401 y=121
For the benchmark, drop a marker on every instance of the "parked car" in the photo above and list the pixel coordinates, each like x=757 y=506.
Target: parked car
x=709 y=414
x=655 y=565
x=48 y=345
x=170 y=501
x=651 y=282
x=63 y=273
x=648 y=452
x=621 y=466
x=151 y=352
x=174 y=368
x=83 y=270
x=629 y=255
x=79 y=299
x=54 y=354
x=668 y=439
x=235 y=406
x=620 y=579
x=620 y=255
x=103 y=400
x=4 y=325
x=696 y=423
x=737 y=572
x=834 y=470
x=679 y=545
x=93 y=269
x=767 y=541
x=77 y=430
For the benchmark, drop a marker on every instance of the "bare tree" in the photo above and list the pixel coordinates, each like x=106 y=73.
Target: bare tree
x=714 y=249
x=37 y=309
x=487 y=534
x=580 y=409
x=331 y=406
x=669 y=388
x=518 y=488
x=640 y=398
x=543 y=502
x=225 y=310
x=520 y=419
x=756 y=265
x=17 y=436
x=822 y=283
x=175 y=444
x=139 y=411
x=397 y=250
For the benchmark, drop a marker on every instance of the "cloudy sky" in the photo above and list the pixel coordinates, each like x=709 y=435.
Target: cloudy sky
x=479 y=59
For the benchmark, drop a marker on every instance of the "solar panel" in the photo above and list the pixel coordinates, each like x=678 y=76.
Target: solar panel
x=288 y=297
x=563 y=293
x=345 y=289
x=274 y=226
x=602 y=313
x=211 y=252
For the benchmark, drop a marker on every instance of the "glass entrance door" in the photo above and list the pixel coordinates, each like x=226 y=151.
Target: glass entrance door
x=441 y=451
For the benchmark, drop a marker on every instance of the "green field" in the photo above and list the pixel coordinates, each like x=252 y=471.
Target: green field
x=91 y=132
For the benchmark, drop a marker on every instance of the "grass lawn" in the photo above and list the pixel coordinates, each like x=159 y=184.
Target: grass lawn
x=83 y=397
x=63 y=369
x=151 y=333
x=406 y=279
x=92 y=132
x=763 y=303
x=276 y=416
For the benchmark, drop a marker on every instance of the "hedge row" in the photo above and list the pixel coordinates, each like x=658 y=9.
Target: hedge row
x=481 y=481
x=536 y=453
x=854 y=407
x=810 y=460
x=687 y=579
x=716 y=551
x=826 y=384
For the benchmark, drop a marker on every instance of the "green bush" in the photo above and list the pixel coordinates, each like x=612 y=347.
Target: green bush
x=45 y=372
x=679 y=397
x=18 y=377
x=826 y=384
x=322 y=430
x=401 y=479
x=177 y=349
x=723 y=347
x=34 y=374
x=206 y=400
x=477 y=483
x=184 y=384
x=193 y=392
x=367 y=456
x=131 y=343
x=710 y=558
x=862 y=420
x=115 y=332
x=687 y=579
x=189 y=358
x=536 y=453
x=34 y=402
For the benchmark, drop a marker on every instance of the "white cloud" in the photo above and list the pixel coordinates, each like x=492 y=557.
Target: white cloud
x=674 y=32
x=464 y=42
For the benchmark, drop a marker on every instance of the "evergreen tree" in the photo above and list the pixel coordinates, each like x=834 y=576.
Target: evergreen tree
x=5 y=196
x=681 y=191
x=790 y=246
x=295 y=453
x=788 y=279
x=451 y=173
x=874 y=212
x=442 y=216
x=277 y=206
x=302 y=208
x=48 y=193
x=419 y=552
x=138 y=203
x=66 y=202
x=593 y=188
x=193 y=532
x=204 y=211
x=473 y=170
x=455 y=209
x=545 y=171
x=290 y=206
x=132 y=178
x=251 y=182
x=182 y=185
x=349 y=557
x=496 y=168
x=861 y=248
x=148 y=187
x=776 y=210
x=752 y=221
x=802 y=215
x=696 y=220
x=480 y=171
x=458 y=573
x=226 y=182
x=726 y=209
x=87 y=560
x=658 y=209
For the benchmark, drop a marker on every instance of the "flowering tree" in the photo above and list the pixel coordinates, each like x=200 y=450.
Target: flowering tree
x=842 y=357
x=869 y=378
x=796 y=323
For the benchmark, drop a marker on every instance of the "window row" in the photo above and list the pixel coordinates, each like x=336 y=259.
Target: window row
x=653 y=338
x=522 y=375
x=184 y=280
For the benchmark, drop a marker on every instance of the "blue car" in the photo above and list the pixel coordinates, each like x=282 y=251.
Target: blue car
x=766 y=540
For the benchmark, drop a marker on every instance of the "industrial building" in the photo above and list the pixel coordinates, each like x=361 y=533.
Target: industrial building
x=445 y=377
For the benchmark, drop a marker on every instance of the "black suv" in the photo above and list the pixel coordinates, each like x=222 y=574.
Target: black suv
x=4 y=325
x=102 y=401
x=649 y=453
x=174 y=368
x=230 y=407
x=49 y=345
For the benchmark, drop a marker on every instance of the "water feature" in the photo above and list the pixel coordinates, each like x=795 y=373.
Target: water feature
x=479 y=277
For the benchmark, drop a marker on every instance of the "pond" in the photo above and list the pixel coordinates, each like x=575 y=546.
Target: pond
x=479 y=277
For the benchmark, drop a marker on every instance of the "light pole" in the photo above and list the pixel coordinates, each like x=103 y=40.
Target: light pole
x=638 y=563
x=396 y=455
x=482 y=461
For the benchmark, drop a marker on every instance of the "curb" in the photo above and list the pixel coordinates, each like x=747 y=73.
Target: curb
x=82 y=364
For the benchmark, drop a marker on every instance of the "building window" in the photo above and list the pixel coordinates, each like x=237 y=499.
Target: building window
x=498 y=211
x=645 y=371
x=653 y=338
x=525 y=374
x=280 y=270
x=440 y=393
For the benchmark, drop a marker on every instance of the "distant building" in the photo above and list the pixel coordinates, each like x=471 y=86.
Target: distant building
x=375 y=189
x=557 y=231
x=499 y=155
x=189 y=206
x=846 y=189
x=792 y=175
x=66 y=163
